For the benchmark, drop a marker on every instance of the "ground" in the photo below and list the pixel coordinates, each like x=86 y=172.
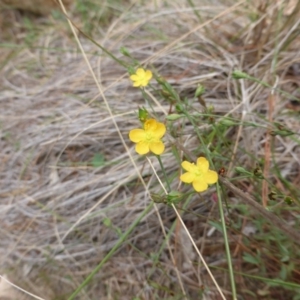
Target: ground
x=83 y=215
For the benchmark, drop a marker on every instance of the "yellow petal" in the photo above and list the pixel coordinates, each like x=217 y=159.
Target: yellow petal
x=140 y=72
x=144 y=82
x=137 y=83
x=160 y=130
x=157 y=147
x=200 y=185
x=142 y=148
x=188 y=166
x=148 y=75
x=202 y=164
x=187 y=177
x=211 y=177
x=150 y=125
x=137 y=135
x=134 y=77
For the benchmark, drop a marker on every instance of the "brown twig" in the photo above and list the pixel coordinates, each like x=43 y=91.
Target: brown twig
x=265 y=186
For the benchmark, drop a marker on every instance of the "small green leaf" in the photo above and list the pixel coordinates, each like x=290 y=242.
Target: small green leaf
x=218 y=226
x=285 y=259
x=179 y=108
x=174 y=194
x=250 y=259
x=236 y=74
x=281 y=132
x=119 y=231
x=125 y=51
x=131 y=70
x=243 y=171
x=174 y=197
x=107 y=222
x=98 y=160
x=283 y=272
x=174 y=117
x=227 y=122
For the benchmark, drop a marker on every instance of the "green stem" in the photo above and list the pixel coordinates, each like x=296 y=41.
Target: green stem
x=122 y=63
x=230 y=269
x=265 y=84
x=111 y=252
x=164 y=171
x=220 y=204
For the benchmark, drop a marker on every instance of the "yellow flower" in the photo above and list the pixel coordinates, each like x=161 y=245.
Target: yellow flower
x=141 y=77
x=199 y=175
x=149 y=138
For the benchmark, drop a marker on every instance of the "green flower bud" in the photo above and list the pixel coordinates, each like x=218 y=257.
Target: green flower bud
x=143 y=114
x=200 y=90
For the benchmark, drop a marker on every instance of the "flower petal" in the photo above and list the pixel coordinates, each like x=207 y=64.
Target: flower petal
x=150 y=125
x=148 y=75
x=141 y=77
x=188 y=166
x=187 y=177
x=134 y=77
x=137 y=135
x=202 y=164
x=144 y=82
x=211 y=177
x=142 y=148
x=140 y=72
x=200 y=185
x=157 y=147
x=160 y=130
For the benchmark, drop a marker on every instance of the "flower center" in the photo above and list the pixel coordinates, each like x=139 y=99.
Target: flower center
x=149 y=137
x=198 y=173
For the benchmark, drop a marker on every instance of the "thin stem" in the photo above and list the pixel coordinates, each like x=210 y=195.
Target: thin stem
x=199 y=254
x=111 y=252
x=227 y=249
x=164 y=172
x=271 y=217
x=265 y=84
x=231 y=275
x=22 y=290
x=189 y=236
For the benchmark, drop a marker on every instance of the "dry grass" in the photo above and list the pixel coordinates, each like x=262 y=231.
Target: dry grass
x=55 y=202
x=42 y=7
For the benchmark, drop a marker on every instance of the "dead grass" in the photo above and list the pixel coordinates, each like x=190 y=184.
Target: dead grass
x=41 y=7
x=54 y=202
